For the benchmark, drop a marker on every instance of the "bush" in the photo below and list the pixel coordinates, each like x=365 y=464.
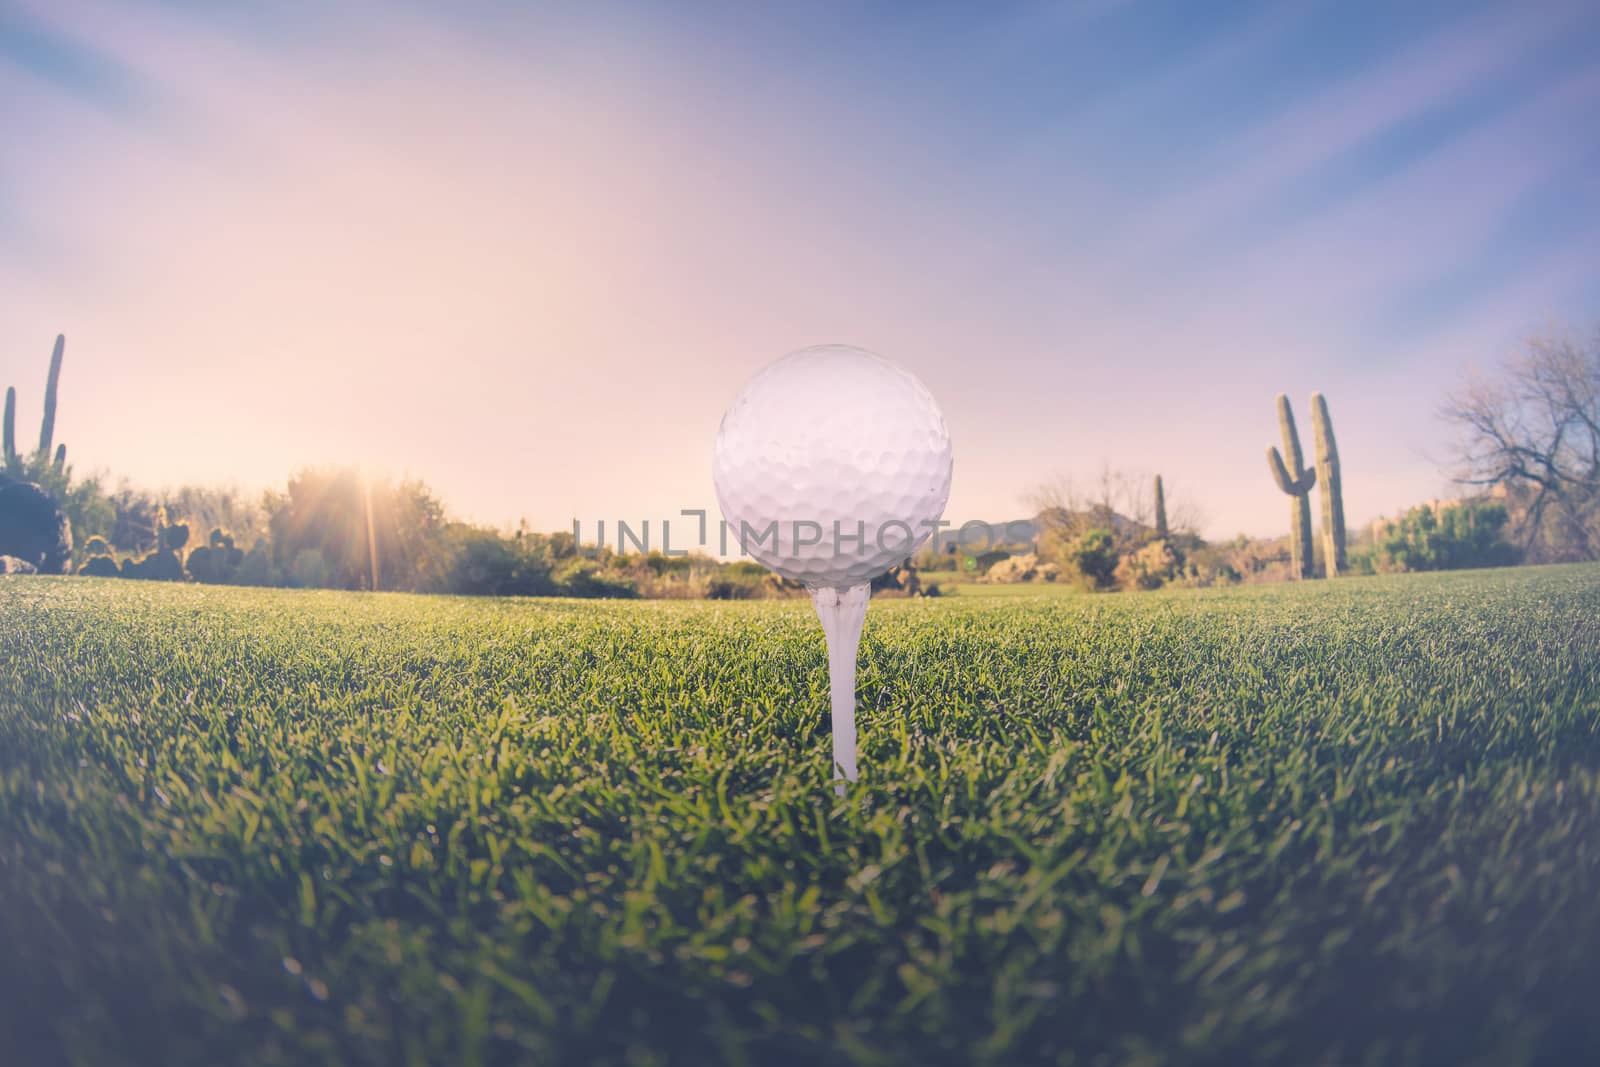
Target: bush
x=726 y=589
x=256 y=568
x=33 y=527
x=1020 y=568
x=217 y=561
x=1449 y=538
x=1207 y=565
x=1147 y=568
x=1244 y=559
x=485 y=564
x=162 y=565
x=100 y=567
x=1093 y=554
x=1363 y=560
x=585 y=578
x=97 y=561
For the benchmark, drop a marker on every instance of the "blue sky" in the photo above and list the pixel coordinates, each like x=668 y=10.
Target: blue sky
x=529 y=253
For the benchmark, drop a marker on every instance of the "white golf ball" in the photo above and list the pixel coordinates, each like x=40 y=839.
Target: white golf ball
x=832 y=466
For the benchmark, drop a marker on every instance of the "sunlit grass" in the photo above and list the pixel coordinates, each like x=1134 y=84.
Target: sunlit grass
x=1315 y=823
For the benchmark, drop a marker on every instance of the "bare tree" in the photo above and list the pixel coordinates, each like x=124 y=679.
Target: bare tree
x=1534 y=435
x=1114 y=500
x=1184 y=515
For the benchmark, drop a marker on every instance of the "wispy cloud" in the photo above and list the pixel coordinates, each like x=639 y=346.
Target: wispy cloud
x=1294 y=137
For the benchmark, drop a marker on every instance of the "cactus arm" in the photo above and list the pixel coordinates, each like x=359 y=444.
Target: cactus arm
x=9 y=456
x=61 y=457
x=47 y=428
x=1291 y=436
x=1279 y=473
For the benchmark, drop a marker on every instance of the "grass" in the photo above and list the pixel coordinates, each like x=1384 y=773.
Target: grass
x=1334 y=823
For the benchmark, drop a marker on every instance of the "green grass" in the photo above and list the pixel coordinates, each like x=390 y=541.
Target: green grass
x=1333 y=823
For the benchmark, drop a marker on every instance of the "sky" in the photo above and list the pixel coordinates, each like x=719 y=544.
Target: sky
x=529 y=253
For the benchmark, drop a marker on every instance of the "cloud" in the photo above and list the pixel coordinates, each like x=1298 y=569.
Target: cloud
x=1295 y=137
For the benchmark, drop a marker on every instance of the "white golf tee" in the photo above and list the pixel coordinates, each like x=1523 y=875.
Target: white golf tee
x=842 y=612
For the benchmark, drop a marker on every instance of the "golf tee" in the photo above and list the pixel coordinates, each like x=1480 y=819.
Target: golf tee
x=842 y=611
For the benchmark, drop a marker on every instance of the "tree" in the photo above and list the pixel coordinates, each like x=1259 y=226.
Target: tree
x=338 y=521
x=1118 y=502
x=1533 y=435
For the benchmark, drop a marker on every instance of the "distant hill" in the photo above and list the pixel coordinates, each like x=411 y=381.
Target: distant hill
x=1003 y=532
x=1026 y=531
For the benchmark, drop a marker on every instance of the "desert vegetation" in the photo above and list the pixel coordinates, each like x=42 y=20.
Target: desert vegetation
x=1528 y=445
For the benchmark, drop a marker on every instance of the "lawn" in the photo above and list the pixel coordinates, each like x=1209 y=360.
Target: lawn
x=1339 y=822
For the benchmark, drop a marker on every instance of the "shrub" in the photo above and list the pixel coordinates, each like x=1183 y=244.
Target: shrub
x=1447 y=538
x=1147 y=568
x=162 y=565
x=33 y=528
x=741 y=580
x=97 y=560
x=1025 y=567
x=1251 y=560
x=217 y=561
x=1207 y=565
x=256 y=568
x=585 y=578
x=1093 y=554
x=483 y=563
x=100 y=567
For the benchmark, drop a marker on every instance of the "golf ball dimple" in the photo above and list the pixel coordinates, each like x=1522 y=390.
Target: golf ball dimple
x=832 y=466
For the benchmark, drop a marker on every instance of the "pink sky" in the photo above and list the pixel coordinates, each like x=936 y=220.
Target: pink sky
x=533 y=267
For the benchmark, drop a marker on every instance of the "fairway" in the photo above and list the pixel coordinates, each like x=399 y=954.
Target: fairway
x=1318 y=823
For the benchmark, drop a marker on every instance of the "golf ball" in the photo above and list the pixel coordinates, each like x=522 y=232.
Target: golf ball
x=832 y=466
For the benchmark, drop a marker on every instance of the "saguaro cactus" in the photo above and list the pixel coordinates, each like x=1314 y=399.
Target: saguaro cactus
x=47 y=428
x=1295 y=480
x=1161 y=511
x=15 y=462
x=9 y=454
x=1333 y=553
